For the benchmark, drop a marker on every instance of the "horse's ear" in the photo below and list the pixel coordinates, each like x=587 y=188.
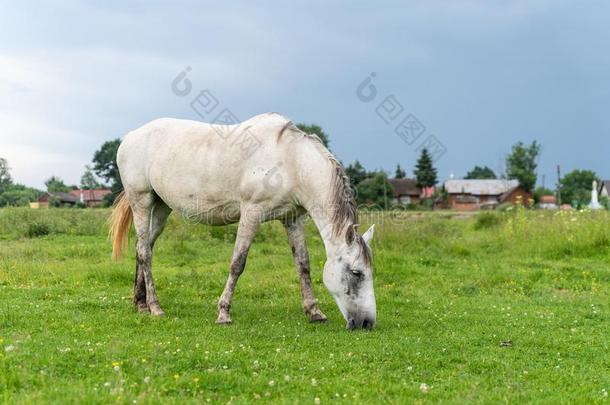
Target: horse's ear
x=368 y=235
x=350 y=235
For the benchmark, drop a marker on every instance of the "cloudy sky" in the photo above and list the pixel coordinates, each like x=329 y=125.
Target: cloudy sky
x=478 y=75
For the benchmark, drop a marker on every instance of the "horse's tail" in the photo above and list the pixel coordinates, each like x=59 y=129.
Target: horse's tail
x=119 y=223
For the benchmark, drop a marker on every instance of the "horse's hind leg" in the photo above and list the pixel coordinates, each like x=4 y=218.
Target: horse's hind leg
x=296 y=237
x=149 y=216
x=249 y=222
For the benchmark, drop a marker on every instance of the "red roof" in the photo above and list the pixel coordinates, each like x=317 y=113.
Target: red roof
x=548 y=199
x=91 y=195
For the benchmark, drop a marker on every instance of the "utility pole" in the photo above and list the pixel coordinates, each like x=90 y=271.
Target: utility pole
x=385 y=195
x=559 y=185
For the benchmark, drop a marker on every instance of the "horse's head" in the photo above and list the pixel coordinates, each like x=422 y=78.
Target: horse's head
x=348 y=275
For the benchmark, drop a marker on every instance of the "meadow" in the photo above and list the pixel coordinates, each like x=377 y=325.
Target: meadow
x=495 y=307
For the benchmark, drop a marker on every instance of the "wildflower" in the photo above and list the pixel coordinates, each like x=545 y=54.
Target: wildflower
x=146 y=380
x=314 y=382
x=144 y=360
x=196 y=380
x=176 y=376
x=316 y=400
x=271 y=383
x=9 y=348
x=286 y=378
x=423 y=387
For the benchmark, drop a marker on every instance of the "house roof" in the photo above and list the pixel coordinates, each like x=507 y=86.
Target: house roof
x=91 y=195
x=606 y=184
x=61 y=196
x=548 y=199
x=480 y=187
x=405 y=187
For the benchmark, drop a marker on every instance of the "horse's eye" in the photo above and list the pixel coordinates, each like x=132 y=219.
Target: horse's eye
x=357 y=273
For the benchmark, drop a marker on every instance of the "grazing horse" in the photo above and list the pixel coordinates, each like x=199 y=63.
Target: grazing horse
x=262 y=169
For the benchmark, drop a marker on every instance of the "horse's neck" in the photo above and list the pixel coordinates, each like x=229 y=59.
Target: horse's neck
x=322 y=218
x=316 y=192
x=321 y=211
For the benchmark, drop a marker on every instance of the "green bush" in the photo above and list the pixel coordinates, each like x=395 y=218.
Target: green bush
x=37 y=229
x=487 y=220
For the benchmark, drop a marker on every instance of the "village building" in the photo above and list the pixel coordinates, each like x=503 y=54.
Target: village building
x=54 y=197
x=472 y=195
x=548 y=202
x=89 y=198
x=406 y=192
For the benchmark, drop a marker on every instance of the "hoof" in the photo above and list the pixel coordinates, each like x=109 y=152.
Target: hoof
x=142 y=308
x=156 y=310
x=317 y=317
x=223 y=319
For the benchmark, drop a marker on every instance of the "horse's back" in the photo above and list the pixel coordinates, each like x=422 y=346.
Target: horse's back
x=195 y=166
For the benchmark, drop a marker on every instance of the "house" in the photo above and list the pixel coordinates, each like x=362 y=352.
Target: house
x=472 y=195
x=51 y=197
x=604 y=190
x=91 y=198
x=406 y=191
x=548 y=202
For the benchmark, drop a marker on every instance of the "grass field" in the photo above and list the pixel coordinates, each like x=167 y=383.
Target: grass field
x=509 y=307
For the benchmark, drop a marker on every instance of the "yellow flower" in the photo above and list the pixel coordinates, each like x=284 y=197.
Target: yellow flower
x=176 y=376
x=116 y=363
x=196 y=380
x=144 y=360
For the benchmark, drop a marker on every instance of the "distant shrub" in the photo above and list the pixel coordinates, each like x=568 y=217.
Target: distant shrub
x=487 y=220
x=37 y=229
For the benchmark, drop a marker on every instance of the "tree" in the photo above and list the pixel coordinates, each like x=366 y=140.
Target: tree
x=315 y=129
x=88 y=181
x=5 y=176
x=480 y=173
x=521 y=164
x=425 y=173
x=399 y=174
x=356 y=173
x=55 y=184
x=18 y=195
x=105 y=166
x=576 y=187
x=374 y=190
x=104 y=162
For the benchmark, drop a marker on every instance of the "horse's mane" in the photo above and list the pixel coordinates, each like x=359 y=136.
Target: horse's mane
x=344 y=216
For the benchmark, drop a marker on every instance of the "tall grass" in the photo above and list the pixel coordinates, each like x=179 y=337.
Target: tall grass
x=550 y=235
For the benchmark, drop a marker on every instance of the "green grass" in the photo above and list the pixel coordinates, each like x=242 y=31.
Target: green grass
x=449 y=291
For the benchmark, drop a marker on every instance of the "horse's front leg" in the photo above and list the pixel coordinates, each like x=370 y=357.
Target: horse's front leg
x=296 y=237
x=249 y=222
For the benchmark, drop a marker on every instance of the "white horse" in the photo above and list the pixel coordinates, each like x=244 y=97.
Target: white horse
x=262 y=169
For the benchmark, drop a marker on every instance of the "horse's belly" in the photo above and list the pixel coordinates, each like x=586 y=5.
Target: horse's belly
x=200 y=212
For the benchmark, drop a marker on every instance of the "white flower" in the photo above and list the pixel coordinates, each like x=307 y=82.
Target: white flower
x=146 y=380
x=9 y=348
x=316 y=400
x=314 y=382
x=423 y=387
x=271 y=383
